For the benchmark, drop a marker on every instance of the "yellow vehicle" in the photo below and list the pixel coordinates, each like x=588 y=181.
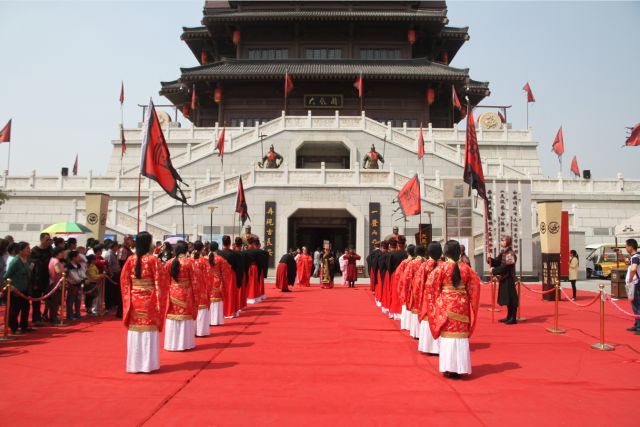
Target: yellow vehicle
x=603 y=258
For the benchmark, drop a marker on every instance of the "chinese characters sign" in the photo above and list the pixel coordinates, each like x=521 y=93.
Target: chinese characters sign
x=323 y=101
x=270 y=231
x=374 y=224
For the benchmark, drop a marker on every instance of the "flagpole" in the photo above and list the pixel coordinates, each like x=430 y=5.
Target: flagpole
x=384 y=148
x=9 y=158
x=233 y=228
x=184 y=236
x=527 y=112
x=139 y=185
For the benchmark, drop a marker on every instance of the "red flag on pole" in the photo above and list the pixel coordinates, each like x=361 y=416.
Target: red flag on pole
x=456 y=100
x=193 y=98
x=574 y=167
x=220 y=144
x=288 y=84
x=155 y=160
x=409 y=197
x=527 y=89
x=359 y=85
x=122 y=93
x=75 y=167
x=502 y=117
x=420 y=144
x=558 y=143
x=473 y=174
x=632 y=141
x=241 y=203
x=123 y=145
x=5 y=133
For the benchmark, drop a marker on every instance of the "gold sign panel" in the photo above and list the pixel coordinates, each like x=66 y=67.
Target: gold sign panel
x=323 y=101
x=549 y=220
x=96 y=209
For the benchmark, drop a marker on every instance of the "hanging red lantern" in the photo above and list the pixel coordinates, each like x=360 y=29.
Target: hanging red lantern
x=411 y=36
x=186 y=110
x=217 y=95
x=431 y=96
x=444 y=56
x=204 y=57
x=236 y=37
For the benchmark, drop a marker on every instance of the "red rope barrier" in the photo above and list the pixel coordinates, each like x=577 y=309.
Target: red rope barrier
x=595 y=298
x=21 y=295
x=620 y=309
x=548 y=291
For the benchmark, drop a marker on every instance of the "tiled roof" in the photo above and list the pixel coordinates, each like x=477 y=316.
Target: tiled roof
x=326 y=15
x=406 y=69
x=455 y=33
x=194 y=33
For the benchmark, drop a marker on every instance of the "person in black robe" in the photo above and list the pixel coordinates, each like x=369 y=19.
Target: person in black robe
x=286 y=272
x=504 y=266
x=381 y=271
x=372 y=265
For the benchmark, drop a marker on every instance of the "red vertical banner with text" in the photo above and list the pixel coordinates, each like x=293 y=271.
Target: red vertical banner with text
x=270 y=231
x=564 y=246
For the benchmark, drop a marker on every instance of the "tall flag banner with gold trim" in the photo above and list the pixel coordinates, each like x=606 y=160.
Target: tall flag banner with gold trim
x=241 y=203
x=155 y=159
x=632 y=141
x=473 y=174
x=409 y=197
x=5 y=133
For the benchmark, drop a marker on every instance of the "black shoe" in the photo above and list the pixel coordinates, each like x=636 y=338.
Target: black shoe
x=503 y=320
x=637 y=332
x=511 y=321
x=632 y=329
x=17 y=332
x=27 y=330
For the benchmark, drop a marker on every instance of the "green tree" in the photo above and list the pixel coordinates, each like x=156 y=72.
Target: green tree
x=4 y=196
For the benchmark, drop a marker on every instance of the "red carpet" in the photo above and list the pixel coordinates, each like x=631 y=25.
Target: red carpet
x=328 y=357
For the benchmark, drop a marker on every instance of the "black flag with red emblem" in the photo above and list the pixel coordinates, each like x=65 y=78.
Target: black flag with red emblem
x=241 y=203
x=409 y=197
x=473 y=174
x=155 y=160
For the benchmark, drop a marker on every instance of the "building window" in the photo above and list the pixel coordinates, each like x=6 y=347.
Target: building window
x=601 y=231
x=379 y=53
x=323 y=53
x=16 y=227
x=265 y=54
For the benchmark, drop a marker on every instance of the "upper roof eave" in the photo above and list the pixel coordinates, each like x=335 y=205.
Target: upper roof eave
x=427 y=15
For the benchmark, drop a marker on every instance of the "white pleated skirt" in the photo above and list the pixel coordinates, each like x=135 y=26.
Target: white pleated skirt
x=143 y=351
x=202 y=324
x=403 y=318
x=414 y=325
x=455 y=355
x=216 y=311
x=426 y=343
x=179 y=335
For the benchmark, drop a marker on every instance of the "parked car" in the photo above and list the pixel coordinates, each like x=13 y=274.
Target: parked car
x=603 y=258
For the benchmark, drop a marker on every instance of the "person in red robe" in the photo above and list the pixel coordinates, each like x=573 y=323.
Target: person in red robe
x=380 y=272
x=286 y=272
x=202 y=288
x=404 y=283
x=453 y=294
x=233 y=276
x=182 y=310
x=393 y=261
x=144 y=285
x=304 y=268
x=426 y=342
x=352 y=272
x=253 y=270
x=220 y=269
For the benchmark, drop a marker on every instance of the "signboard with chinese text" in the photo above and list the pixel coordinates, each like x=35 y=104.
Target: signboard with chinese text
x=323 y=101
x=374 y=224
x=270 y=231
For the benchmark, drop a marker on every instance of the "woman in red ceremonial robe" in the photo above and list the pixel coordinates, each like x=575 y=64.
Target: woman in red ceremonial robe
x=401 y=283
x=412 y=264
x=144 y=285
x=380 y=271
x=426 y=343
x=232 y=274
x=304 y=268
x=352 y=271
x=216 y=296
x=202 y=288
x=182 y=310
x=286 y=272
x=453 y=293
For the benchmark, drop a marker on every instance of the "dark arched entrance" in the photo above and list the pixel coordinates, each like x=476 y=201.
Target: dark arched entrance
x=311 y=154
x=310 y=227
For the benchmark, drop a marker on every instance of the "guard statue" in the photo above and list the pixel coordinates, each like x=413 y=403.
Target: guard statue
x=272 y=160
x=247 y=234
x=394 y=235
x=370 y=160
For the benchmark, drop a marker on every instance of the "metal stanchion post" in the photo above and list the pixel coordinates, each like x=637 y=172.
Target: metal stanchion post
x=601 y=345
x=102 y=310
x=519 y=317
x=6 y=336
x=556 y=329
x=493 y=308
x=62 y=302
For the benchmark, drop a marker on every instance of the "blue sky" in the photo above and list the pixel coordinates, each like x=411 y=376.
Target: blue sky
x=63 y=63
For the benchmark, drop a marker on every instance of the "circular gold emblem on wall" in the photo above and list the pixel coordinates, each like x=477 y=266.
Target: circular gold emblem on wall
x=490 y=120
x=554 y=227
x=92 y=218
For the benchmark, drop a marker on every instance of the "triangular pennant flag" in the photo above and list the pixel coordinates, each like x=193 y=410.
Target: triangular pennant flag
x=409 y=197
x=530 y=97
x=75 y=167
x=574 y=167
x=155 y=159
x=456 y=100
x=220 y=144
x=5 y=133
x=473 y=174
x=122 y=93
x=420 y=144
x=123 y=143
x=632 y=141
x=241 y=203
x=288 y=84
x=359 y=85
x=558 y=143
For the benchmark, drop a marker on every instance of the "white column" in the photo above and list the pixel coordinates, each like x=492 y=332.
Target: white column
x=323 y=176
x=188 y=152
x=337 y=115
x=309 y=119
x=90 y=179
x=620 y=185
x=363 y=120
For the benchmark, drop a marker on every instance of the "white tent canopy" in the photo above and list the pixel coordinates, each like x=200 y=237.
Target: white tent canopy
x=628 y=228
